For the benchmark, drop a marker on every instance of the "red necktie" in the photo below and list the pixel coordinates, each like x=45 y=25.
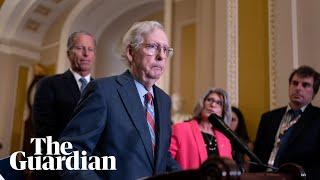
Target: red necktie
x=150 y=117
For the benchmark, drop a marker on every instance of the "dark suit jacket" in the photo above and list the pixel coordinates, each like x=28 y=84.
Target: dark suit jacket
x=303 y=145
x=110 y=121
x=55 y=99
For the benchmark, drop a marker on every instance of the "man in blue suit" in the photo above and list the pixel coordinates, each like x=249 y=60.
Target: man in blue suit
x=111 y=117
x=291 y=134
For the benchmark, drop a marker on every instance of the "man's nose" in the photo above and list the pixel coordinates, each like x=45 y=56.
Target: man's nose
x=300 y=86
x=161 y=55
x=85 y=52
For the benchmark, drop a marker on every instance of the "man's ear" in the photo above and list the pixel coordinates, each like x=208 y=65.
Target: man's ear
x=129 y=53
x=68 y=53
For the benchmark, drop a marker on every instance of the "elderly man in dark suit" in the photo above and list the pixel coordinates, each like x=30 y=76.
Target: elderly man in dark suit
x=57 y=96
x=291 y=134
x=127 y=116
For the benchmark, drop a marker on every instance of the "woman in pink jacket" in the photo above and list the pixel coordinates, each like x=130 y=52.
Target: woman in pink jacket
x=193 y=141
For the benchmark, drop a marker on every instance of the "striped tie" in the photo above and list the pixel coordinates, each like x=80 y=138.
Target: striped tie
x=150 y=117
x=83 y=82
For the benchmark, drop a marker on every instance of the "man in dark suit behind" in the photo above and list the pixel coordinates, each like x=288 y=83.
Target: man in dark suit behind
x=291 y=134
x=57 y=96
x=111 y=118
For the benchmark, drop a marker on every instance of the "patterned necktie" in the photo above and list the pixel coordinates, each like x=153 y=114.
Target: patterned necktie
x=150 y=117
x=83 y=82
x=294 y=113
x=284 y=133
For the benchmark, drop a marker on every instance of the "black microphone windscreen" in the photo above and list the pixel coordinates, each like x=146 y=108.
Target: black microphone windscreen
x=219 y=124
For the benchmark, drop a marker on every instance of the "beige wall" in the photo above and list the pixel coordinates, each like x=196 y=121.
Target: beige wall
x=200 y=52
x=253 y=61
x=17 y=134
x=9 y=66
x=50 y=44
x=183 y=61
x=188 y=63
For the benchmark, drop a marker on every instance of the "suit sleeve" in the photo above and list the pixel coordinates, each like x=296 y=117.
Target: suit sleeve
x=259 y=145
x=174 y=142
x=172 y=164
x=86 y=126
x=260 y=136
x=43 y=111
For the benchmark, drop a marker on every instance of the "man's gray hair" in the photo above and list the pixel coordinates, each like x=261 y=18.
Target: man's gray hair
x=135 y=36
x=226 y=107
x=74 y=35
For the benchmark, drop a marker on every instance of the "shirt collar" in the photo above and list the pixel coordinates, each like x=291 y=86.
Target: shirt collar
x=302 y=108
x=77 y=76
x=142 y=91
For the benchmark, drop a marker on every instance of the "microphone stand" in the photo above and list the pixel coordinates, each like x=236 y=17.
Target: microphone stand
x=224 y=128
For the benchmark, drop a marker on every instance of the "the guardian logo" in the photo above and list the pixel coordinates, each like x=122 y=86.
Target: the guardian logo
x=57 y=158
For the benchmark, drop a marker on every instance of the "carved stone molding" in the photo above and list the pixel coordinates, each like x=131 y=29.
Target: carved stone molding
x=272 y=55
x=232 y=51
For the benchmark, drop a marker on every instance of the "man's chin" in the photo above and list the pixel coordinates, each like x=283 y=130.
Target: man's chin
x=298 y=103
x=85 y=68
x=155 y=76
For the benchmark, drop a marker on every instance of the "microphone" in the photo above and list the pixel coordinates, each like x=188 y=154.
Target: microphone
x=224 y=128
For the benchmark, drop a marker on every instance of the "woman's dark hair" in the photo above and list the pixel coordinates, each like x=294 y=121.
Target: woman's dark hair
x=241 y=129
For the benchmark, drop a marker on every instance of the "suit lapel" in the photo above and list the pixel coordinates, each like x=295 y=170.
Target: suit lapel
x=131 y=100
x=160 y=126
x=276 y=119
x=71 y=83
x=299 y=126
x=203 y=155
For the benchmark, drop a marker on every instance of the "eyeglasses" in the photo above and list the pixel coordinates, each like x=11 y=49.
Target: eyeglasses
x=211 y=100
x=152 y=49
